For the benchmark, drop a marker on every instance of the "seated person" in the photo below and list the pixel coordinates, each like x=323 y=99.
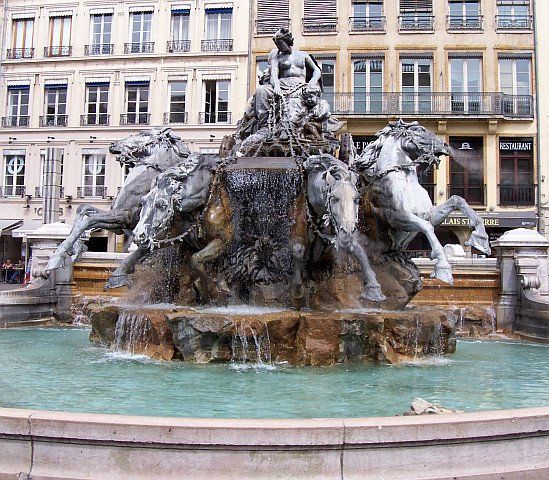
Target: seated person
x=7 y=266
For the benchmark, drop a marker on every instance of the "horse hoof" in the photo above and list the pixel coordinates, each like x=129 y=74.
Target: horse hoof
x=480 y=242
x=55 y=262
x=117 y=282
x=444 y=274
x=373 y=294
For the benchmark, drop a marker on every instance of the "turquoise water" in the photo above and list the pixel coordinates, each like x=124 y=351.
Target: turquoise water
x=57 y=369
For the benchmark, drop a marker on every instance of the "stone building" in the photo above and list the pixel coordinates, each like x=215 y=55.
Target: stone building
x=465 y=68
x=78 y=75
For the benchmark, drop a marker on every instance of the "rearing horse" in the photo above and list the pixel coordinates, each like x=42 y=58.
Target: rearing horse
x=389 y=167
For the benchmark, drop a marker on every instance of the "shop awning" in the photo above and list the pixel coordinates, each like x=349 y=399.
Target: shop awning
x=8 y=225
x=28 y=225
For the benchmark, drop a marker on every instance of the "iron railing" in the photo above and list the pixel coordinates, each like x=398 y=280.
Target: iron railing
x=58 y=51
x=464 y=22
x=13 y=190
x=135 y=118
x=219 y=45
x=175 y=46
x=175 y=117
x=17 y=121
x=16 y=53
x=473 y=194
x=271 y=25
x=140 y=47
x=53 y=120
x=516 y=195
x=214 y=117
x=416 y=23
x=434 y=104
x=39 y=192
x=94 y=119
x=99 y=49
x=514 y=22
x=94 y=192
x=367 y=24
x=319 y=24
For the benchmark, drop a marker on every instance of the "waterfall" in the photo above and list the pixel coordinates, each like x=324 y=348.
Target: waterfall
x=252 y=347
x=131 y=330
x=436 y=346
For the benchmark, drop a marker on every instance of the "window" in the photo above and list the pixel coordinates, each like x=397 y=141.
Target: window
x=56 y=106
x=514 y=14
x=101 y=27
x=367 y=15
x=515 y=81
x=18 y=107
x=416 y=14
x=179 y=31
x=177 y=112
x=319 y=16
x=141 y=24
x=368 y=85
x=467 y=169
x=516 y=172
x=22 y=39
x=465 y=84
x=93 y=183
x=14 y=174
x=272 y=15
x=327 y=67
x=60 y=37
x=464 y=14
x=219 y=23
x=97 y=103
x=416 y=85
x=137 y=103
x=216 y=101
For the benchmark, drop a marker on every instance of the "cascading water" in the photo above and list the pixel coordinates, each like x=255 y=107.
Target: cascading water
x=242 y=352
x=131 y=329
x=436 y=346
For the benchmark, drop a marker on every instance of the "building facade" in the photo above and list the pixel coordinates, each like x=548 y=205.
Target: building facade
x=79 y=75
x=464 y=68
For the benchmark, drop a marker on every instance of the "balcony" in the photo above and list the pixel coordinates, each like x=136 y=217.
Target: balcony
x=367 y=24
x=517 y=195
x=221 y=45
x=178 y=46
x=319 y=24
x=94 y=119
x=464 y=23
x=271 y=25
x=143 y=47
x=175 y=117
x=53 y=120
x=441 y=104
x=473 y=194
x=16 y=53
x=514 y=22
x=99 y=49
x=135 y=118
x=13 y=191
x=13 y=122
x=39 y=192
x=214 y=117
x=59 y=51
x=417 y=23
x=91 y=192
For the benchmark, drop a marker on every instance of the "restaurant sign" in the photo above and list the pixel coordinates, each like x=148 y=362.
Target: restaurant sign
x=501 y=220
x=517 y=145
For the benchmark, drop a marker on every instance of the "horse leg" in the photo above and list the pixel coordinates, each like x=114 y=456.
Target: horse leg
x=207 y=254
x=372 y=288
x=119 y=277
x=478 y=238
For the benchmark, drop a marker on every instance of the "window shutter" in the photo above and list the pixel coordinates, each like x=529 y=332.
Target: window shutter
x=320 y=9
x=407 y=6
x=272 y=15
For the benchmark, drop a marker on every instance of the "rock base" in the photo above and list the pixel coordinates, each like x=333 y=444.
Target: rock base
x=261 y=335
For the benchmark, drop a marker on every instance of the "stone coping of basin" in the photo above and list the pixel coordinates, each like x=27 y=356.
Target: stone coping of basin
x=269 y=434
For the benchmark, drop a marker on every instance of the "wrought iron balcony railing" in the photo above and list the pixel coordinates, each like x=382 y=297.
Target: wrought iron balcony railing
x=91 y=192
x=482 y=104
x=465 y=22
x=473 y=194
x=514 y=22
x=175 y=117
x=94 y=119
x=142 y=47
x=13 y=190
x=416 y=22
x=99 y=49
x=176 y=46
x=16 y=53
x=319 y=24
x=135 y=118
x=39 y=192
x=59 y=51
x=271 y=25
x=220 y=45
x=517 y=195
x=367 y=24
x=53 y=120
x=214 y=117
x=17 y=121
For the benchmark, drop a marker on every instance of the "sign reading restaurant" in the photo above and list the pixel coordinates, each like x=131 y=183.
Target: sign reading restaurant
x=519 y=145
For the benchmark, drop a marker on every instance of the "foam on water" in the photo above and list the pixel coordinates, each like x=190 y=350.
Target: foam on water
x=239 y=310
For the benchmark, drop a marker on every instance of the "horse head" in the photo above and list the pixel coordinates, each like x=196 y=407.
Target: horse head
x=149 y=147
